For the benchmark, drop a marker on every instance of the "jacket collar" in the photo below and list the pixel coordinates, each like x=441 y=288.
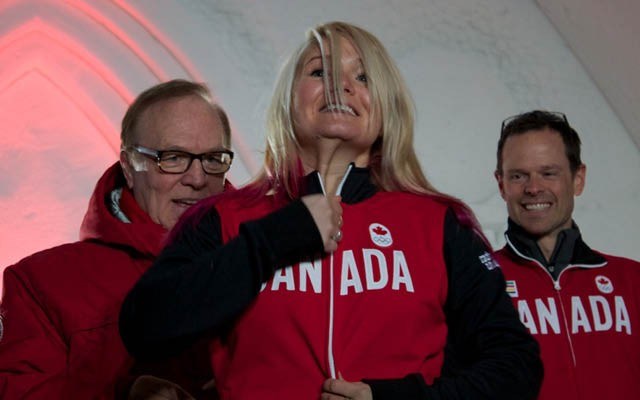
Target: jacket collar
x=100 y=224
x=356 y=185
x=570 y=249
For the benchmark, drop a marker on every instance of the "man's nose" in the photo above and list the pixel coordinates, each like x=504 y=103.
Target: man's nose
x=195 y=175
x=533 y=185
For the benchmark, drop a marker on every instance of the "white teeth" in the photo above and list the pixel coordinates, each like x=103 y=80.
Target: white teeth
x=341 y=108
x=537 y=206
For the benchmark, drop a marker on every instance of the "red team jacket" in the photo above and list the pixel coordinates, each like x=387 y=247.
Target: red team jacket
x=587 y=322
x=365 y=302
x=378 y=308
x=60 y=306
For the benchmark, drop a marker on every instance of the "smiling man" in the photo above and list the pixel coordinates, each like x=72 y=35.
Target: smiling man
x=581 y=305
x=60 y=306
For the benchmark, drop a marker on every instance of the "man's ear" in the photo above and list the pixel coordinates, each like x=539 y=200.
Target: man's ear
x=579 y=180
x=498 y=177
x=127 y=169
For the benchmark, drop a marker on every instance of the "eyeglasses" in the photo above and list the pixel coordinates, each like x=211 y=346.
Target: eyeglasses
x=537 y=115
x=179 y=162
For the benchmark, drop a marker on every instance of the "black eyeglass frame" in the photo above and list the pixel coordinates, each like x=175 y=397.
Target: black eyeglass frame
x=508 y=120
x=156 y=155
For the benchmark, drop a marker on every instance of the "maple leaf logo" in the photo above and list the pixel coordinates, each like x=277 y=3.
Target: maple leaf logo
x=604 y=284
x=380 y=235
x=378 y=230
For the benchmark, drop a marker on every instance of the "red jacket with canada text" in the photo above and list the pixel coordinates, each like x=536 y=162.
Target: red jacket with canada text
x=587 y=322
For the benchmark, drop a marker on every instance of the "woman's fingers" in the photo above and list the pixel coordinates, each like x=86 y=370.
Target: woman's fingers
x=327 y=214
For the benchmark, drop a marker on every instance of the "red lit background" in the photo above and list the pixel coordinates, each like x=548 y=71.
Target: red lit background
x=68 y=70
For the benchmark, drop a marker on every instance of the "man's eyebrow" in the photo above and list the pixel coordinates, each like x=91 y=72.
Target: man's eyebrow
x=512 y=170
x=184 y=150
x=551 y=166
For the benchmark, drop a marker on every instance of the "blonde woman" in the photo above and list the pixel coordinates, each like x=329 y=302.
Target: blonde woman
x=339 y=272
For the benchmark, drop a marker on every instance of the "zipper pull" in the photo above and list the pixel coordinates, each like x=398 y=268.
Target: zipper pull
x=556 y=285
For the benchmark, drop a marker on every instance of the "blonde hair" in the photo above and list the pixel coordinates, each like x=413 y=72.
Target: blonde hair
x=393 y=162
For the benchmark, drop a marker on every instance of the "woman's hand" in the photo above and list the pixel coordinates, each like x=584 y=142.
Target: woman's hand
x=334 y=389
x=327 y=214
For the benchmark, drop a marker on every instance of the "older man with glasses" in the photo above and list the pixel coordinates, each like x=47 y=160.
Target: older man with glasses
x=60 y=306
x=581 y=305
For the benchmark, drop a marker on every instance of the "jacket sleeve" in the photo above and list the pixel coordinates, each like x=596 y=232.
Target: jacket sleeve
x=199 y=284
x=489 y=353
x=33 y=354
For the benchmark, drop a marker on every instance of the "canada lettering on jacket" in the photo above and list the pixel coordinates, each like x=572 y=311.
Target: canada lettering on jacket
x=588 y=314
x=377 y=273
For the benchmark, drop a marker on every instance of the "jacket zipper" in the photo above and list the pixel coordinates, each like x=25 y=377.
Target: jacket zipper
x=331 y=360
x=558 y=288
